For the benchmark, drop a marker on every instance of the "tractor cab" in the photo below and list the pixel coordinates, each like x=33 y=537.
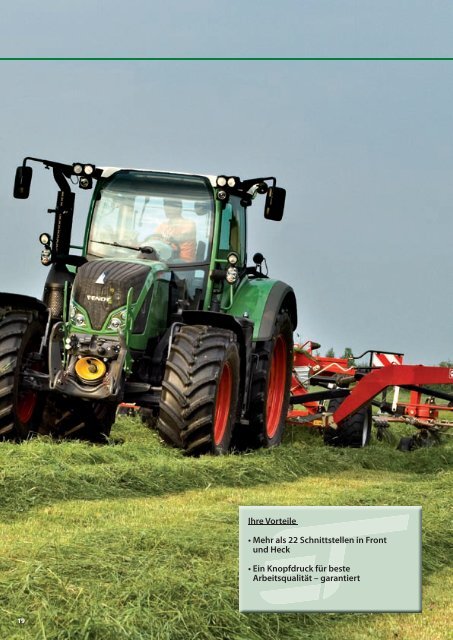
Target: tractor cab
x=138 y=215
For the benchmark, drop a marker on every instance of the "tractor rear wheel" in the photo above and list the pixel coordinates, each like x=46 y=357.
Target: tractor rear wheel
x=354 y=431
x=20 y=407
x=270 y=388
x=200 y=390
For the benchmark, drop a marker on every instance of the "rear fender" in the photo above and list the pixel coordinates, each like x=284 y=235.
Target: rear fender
x=19 y=302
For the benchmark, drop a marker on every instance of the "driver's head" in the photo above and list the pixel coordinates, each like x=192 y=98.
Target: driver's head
x=172 y=208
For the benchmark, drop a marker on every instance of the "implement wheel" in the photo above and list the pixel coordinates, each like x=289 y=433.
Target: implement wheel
x=20 y=407
x=354 y=431
x=200 y=390
x=270 y=388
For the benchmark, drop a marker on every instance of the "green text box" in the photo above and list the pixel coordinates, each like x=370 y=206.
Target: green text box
x=330 y=559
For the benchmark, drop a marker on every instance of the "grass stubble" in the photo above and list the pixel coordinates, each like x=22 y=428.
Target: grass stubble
x=137 y=541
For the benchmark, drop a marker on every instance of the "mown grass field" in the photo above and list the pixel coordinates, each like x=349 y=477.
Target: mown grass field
x=136 y=541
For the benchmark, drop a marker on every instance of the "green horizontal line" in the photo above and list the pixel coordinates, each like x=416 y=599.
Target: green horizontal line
x=219 y=59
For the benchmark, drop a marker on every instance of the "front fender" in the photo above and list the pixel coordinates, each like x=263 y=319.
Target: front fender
x=260 y=300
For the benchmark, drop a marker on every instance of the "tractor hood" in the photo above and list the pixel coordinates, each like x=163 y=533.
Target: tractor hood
x=116 y=306
x=106 y=291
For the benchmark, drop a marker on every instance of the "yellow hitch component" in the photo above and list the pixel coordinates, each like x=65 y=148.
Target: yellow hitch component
x=90 y=369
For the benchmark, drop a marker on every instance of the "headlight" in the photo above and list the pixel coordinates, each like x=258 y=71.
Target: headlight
x=79 y=320
x=118 y=321
x=233 y=259
x=232 y=275
x=115 y=323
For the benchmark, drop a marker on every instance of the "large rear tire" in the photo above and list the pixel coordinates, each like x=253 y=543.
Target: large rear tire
x=20 y=407
x=270 y=388
x=354 y=431
x=200 y=389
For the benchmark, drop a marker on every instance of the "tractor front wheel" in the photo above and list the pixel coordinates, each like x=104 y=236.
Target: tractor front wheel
x=200 y=390
x=354 y=431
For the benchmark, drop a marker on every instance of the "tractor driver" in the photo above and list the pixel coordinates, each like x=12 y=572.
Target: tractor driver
x=177 y=231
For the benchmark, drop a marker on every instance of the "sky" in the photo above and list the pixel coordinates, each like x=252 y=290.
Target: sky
x=363 y=148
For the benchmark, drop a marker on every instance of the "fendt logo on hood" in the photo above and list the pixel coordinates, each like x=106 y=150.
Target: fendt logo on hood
x=107 y=299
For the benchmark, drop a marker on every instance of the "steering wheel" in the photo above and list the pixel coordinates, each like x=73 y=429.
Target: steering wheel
x=164 y=250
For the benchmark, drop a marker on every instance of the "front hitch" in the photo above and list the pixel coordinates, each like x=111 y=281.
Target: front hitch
x=82 y=372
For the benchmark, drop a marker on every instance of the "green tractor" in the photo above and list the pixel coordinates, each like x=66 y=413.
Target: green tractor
x=159 y=309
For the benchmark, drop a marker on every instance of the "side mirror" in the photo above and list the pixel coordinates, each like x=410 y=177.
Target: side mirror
x=22 y=182
x=275 y=204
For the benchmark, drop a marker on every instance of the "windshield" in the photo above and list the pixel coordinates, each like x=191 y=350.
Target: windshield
x=165 y=217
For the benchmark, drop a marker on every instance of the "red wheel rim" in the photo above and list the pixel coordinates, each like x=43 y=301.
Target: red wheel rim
x=26 y=404
x=276 y=387
x=27 y=400
x=223 y=403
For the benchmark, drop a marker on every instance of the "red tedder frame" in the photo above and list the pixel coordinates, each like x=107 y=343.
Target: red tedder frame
x=360 y=385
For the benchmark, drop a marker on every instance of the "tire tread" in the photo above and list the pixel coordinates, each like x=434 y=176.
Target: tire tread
x=189 y=387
